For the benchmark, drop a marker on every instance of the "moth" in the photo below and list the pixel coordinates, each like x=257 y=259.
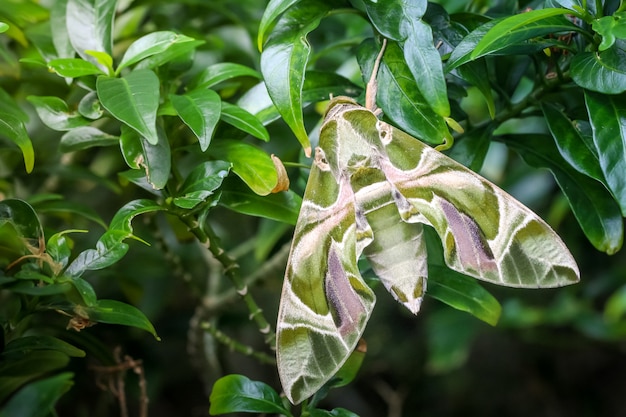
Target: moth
x=371 y=191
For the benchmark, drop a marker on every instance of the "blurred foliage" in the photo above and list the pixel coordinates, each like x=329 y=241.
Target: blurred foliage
x=144 y=233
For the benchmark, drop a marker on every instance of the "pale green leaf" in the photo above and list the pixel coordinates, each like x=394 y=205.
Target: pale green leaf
x=89 y=27
x=73 y=67
x=55 y=114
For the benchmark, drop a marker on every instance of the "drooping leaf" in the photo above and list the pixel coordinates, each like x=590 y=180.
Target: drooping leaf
x=38 y=398
x=116 y=312
x=200 y=110
x=604 y=72
x=607 y=115
x=243 y=120
x=133 y=100
x=13 y=128
x=154 y=160
x=284 y=60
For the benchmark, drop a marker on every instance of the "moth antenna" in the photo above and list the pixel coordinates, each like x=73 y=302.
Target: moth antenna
x=372 y=85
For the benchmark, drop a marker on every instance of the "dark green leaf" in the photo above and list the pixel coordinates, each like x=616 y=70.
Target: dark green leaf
x=200 y=110
x=472 y=148
x=463 y=293
x=604 y=72
x=223 y=71
x=400 y=99
x=610 y=27
x=116 y=312
x=133 y=100
x=13 y=128
x=335 y=412
x=597 y=213
x=62 y=206
x=201 y=183
x=237 y=393
x=243 y=120
x=283 y=206
x=23 y=218
x=251 y=164
x=284 y=61
x=607 y=115
x=570 y=143
x=37 y=399
x=25 y=344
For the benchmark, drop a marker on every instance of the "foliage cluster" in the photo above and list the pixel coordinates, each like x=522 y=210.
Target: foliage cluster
x=172 y=113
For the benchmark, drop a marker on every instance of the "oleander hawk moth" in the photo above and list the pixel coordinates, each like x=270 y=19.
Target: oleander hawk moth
x=371 y=190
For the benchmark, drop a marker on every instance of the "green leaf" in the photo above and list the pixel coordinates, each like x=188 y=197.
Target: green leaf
x=237 y=393
x=335 y=412
x=59 y=248
x=463 y=293
x=25 y=344
x=200 y=110
x=610 y=27
x=243 y=120
x=472 y=148
x=201 y=183
x=282 y=207
x=63 y=206
x=38 y=398
x=23 y=218
x=151 y=44
x=604 y=72
x=177 y=52
x=273 y=10
x=116 y=312
x=85 y=137
x=250 y=163
x=570 y=143
x=13 y=129
x=73 y=67
x=60 y=37
x=89 y=106
x=522 y=27
x=9 y=106
x=55 y=114
x=89 y=24
x=284 y=60
x=3 y=27
x=607 y=115
x=155 y=160
x=220 y=72
x=400 y=99
x=133 y=100
x=597 y=213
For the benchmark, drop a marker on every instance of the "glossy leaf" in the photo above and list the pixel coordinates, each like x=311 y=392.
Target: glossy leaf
x=201 y=183
x=521 y=27
x=243 y=120
x=23 y=218
x=55 y=114
x=607 y=115
x=610 y=28
x=217 y=73
x=38 y=398
x=282 y=207
x=604 y=72
x=272 y=12
x=89 y=106
x=597 y=213
x=237 y=393
x=60 y=36
x=3 y=27
x=463 y=293
x=85 y=137
x=399 y=98
x=37 y=343
x=133 y=100
x=116 y=312
x=250 y=163
x=58 y=247
x=151 y=44
x=13 y=129
x=73 y=67
x=200 y=110
x=401 y=20
x=284 y=60
x=570 y=143
x=89 y=26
